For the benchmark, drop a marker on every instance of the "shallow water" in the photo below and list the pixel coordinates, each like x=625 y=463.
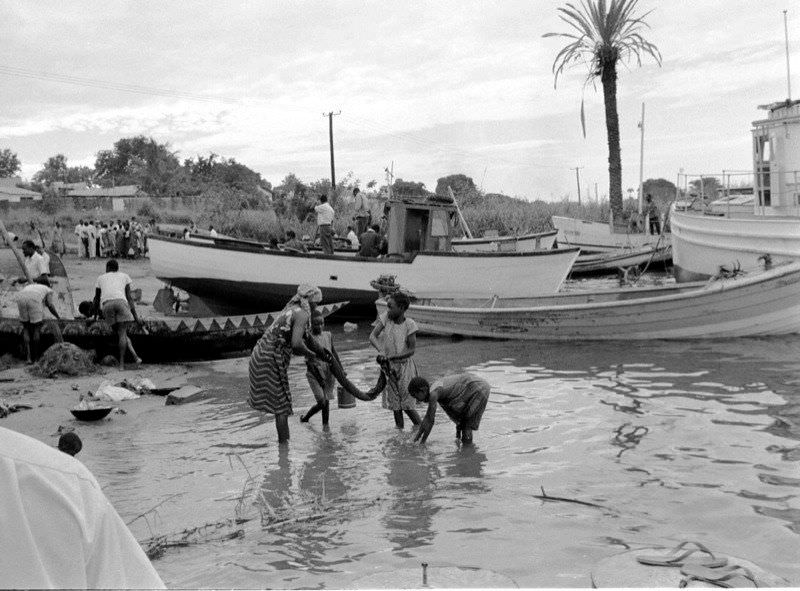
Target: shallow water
x=669 y=441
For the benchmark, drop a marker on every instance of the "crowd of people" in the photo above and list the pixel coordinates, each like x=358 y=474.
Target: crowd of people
x=119 y=239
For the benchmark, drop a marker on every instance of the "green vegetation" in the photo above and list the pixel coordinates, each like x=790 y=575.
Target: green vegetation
x=603 y=33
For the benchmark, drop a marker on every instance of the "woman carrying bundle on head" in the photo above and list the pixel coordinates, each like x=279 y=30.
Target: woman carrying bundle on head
x=269 y=361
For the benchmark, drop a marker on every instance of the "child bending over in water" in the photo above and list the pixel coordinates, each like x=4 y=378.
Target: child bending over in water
x=395 y=337
x=462 y=396
x=318 y=371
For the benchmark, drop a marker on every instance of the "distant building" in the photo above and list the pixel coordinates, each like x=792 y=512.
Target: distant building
x=10 y=193
x=113 y=198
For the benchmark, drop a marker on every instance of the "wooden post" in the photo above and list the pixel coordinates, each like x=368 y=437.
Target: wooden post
x=20 y=260
x=464 y=225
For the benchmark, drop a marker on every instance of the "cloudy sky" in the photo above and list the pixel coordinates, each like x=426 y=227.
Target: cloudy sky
x=432 y=88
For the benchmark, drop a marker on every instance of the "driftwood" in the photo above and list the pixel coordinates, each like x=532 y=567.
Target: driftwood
x=545 y=497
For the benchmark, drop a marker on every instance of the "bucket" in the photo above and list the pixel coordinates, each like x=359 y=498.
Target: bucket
x=345 y=399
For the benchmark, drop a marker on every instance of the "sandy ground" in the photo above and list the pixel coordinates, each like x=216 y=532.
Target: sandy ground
x=51 y=399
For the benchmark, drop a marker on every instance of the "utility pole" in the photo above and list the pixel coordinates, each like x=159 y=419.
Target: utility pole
x=596 y=194
x=641 y=163
x=577 y=170
x=330 y=115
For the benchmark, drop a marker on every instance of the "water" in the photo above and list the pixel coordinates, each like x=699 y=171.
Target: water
x=672 y=441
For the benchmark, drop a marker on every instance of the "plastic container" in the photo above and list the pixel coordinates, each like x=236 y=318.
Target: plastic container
x=344 y=398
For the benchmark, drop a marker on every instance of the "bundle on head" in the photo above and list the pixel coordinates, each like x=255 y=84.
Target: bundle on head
x=64 y=358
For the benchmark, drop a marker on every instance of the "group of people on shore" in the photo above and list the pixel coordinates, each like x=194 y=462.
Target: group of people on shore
x=299 y=330
x=120 y=239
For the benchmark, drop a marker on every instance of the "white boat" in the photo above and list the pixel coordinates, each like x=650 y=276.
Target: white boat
x=600 y=236
x=524 y=243
x=621 y=258
x=705 y=241
x=235 y=278
x=765 y=303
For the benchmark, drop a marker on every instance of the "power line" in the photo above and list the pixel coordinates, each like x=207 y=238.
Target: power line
x=94 y=83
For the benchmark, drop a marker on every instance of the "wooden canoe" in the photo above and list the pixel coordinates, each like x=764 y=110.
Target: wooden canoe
x=170 y=339
x=609 y=262
x=765 y=303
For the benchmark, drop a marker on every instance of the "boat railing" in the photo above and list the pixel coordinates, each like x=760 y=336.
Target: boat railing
x=774 y=192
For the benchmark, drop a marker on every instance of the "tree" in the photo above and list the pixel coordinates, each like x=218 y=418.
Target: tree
x=56 y=169
x=141 y=161
x=605 y=33
x=463 y=188
x=662 y=190
x=9 y=163
x=707 y=187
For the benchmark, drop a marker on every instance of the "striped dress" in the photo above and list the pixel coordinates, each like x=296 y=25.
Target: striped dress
x=269 y=363
x=463 y=397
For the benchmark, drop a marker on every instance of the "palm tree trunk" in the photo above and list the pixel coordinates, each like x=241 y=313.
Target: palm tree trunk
x=609 y=79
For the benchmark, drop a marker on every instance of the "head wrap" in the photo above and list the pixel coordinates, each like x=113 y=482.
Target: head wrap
x=306 y=293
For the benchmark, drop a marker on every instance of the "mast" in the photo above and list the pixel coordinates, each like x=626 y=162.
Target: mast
x=641 y=163
x=788 y=70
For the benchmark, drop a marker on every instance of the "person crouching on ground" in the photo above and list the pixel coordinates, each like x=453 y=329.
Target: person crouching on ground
x=319 y=375
x=113 y=292
x=395 y=337
x=463 y=397
x=31 y=302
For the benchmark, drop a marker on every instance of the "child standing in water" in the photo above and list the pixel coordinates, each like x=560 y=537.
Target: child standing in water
x=318 y=372
x=395 y=337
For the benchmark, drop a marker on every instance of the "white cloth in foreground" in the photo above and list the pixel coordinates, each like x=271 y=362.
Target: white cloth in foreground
x=57 y=528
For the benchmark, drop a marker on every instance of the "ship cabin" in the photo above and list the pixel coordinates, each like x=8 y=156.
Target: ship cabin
x=776 y=160
x=416 y=224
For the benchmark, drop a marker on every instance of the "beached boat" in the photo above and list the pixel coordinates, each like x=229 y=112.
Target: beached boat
x=230 y=278
x=601 y=236
x=524 y=243
x=703 y=241
x=623 y=258
x=178 y=338
x=766 y=303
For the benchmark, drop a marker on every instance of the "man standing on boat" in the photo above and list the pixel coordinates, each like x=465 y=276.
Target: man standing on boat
x=325 y=216
x=651 y=210
x=363 y=214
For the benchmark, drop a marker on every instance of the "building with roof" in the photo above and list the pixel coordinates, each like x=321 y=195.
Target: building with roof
x=11 y=193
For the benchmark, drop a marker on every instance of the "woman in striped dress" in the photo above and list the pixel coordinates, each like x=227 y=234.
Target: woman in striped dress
x=269 y=361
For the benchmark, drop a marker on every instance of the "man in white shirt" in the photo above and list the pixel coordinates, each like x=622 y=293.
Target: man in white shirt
x=212 y=232
x=36 y=265
x=58 y=528
x=353 y=237
x=31 y=301
x=363 y=215
x=325 y=215
x=112 y=295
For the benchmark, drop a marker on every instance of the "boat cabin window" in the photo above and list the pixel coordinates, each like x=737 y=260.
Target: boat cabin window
x=439 y=223
x=762 y=152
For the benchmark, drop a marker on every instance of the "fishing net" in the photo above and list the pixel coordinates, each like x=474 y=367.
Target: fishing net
x=66 y=359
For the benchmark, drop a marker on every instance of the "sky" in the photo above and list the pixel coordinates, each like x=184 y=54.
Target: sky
x=424 y=88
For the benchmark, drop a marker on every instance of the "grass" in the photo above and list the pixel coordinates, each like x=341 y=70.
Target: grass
x=504 y=214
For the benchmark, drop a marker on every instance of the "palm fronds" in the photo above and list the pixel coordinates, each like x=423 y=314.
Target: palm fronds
x=604 y=32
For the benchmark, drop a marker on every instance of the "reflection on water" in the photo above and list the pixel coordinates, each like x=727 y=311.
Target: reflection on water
x=661 y=441
x=411 y=478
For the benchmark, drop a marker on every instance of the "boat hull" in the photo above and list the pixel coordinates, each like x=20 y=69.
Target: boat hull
x=526 y=243
x=702 y=244
x=171 y=339
x=230 y=279
x=598 y=236
x=764 y=304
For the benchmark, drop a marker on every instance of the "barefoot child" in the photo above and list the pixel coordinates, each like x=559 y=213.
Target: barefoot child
x=462 y=396
x=318 y=372
x=395 y=336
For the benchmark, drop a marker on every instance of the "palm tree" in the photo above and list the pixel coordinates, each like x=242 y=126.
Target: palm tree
x=604 y=33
